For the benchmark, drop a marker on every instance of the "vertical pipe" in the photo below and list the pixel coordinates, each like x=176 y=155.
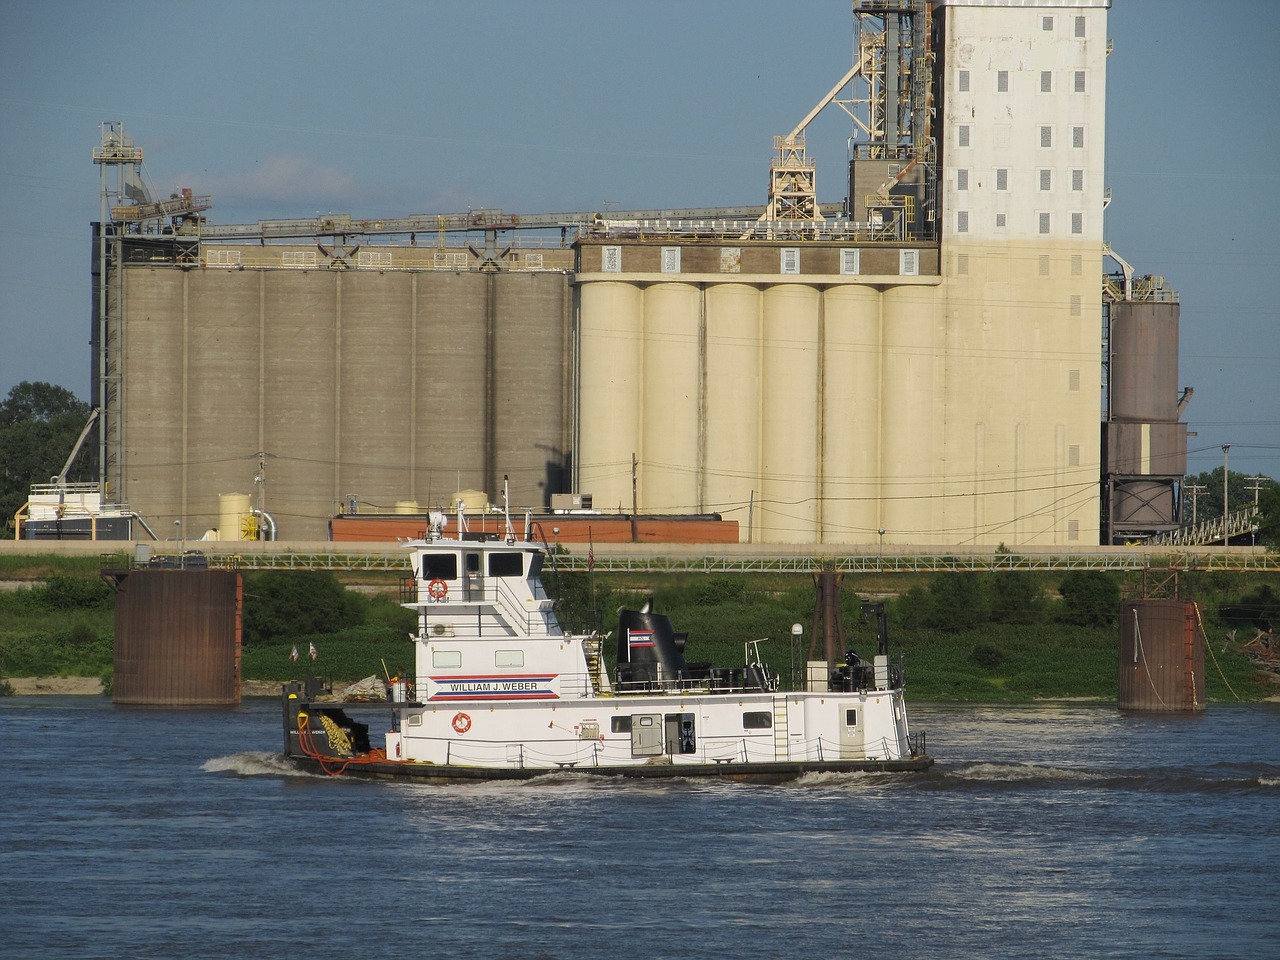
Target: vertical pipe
x=337 y=388
x=490 y=384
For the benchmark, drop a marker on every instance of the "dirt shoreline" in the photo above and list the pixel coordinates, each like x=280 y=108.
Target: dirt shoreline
x=92 y=687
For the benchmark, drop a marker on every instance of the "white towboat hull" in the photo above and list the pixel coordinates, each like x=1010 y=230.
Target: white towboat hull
x=500 y=691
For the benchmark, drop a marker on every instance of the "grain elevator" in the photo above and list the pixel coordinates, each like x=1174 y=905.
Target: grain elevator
x=924 y=361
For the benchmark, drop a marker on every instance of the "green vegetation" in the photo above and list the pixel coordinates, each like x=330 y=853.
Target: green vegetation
x=992 y=637
x=64 y=627
x=39 y=425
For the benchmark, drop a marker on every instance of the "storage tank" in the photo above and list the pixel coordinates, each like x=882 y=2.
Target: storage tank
x=178 y=637
x=912 y=401
x=408 y=508
x=609 y=392
x=789 y=447
x=851 y=414
x=473 y=501
x=1144 y=361
x=375 y=311
x=1161 y=662
x=235 y=516
x=731 y=461
x=672 y=379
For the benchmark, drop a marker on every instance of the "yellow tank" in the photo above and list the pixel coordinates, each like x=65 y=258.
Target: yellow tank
x=235 y=516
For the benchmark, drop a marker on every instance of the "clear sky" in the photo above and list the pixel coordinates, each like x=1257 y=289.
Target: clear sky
x=290 y=108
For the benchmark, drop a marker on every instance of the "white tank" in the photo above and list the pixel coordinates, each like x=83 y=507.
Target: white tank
x=609 y=396
x=913 y=413
x=789 y=415
x=731 y=461
x=672 y=373
x=851 y=415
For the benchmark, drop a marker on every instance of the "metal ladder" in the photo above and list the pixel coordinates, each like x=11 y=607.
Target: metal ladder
x=592 y=647
x=781 y=734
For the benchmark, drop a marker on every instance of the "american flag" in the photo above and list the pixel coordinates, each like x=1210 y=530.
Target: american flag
x=294 y=654
x=314 y=652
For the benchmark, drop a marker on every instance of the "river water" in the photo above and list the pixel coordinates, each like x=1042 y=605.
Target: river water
x=1066 y=831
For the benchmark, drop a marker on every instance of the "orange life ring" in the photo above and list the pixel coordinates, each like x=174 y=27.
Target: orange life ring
x=461 y=722
x=438 y=589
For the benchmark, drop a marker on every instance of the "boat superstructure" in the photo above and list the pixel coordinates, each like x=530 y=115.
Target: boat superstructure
x=500 y=690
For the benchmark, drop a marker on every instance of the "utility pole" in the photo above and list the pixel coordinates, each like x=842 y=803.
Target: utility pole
x=635 y=537
x=1195 y=489
x=1257 y=483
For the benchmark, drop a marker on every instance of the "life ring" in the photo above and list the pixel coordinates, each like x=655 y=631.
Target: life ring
x=438 y=589
x=461 y=722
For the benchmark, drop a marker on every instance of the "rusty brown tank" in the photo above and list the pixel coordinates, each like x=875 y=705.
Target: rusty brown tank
x=1161 y=665
x=178 y=637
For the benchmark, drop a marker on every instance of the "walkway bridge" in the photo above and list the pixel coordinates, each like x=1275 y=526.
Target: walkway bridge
x=1211 y=531
x=670 y=558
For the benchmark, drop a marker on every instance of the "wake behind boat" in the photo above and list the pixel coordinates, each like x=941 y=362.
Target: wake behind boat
x=500 y=691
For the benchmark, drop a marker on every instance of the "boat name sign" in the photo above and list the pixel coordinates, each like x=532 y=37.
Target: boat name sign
x=504 y=687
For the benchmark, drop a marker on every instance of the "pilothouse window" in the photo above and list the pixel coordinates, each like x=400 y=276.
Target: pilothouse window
x=440 y=566
x=506 y=564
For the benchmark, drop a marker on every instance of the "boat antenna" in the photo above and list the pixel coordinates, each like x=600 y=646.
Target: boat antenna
x=506 y=511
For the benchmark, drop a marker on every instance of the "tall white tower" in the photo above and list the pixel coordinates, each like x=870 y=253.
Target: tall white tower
x=1023 y=90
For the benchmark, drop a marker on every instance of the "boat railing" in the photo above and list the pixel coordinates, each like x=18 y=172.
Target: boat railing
x=526 y=617
x=521 y=615
x=918 y=743
x=694 y=685
x=880 y=748
x=568 y=755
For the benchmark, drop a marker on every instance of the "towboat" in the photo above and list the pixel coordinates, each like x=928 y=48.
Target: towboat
x=500 y=691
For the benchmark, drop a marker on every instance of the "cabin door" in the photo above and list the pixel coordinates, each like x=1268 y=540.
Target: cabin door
x=680 y=734
x=474 y=582
x=646 y=735
x=852 y=735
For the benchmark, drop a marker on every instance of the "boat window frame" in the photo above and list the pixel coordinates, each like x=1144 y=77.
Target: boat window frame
x=440 y=659
x=500 y=563
x=440 y=566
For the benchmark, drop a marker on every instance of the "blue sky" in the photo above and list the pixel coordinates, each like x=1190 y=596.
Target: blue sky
x=295 y=107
